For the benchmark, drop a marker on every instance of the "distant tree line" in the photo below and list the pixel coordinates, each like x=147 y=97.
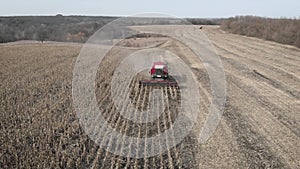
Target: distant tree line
x=199 y=21
x=52 y=28
x=285 y=31
x=71 y=28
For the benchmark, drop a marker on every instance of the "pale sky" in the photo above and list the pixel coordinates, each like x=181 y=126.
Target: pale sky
x=179 y=8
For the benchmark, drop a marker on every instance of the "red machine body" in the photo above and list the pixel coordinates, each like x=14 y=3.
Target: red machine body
x=160 y=76
x=159 y=70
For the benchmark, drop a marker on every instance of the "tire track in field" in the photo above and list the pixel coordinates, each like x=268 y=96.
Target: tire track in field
x=283 y=64
x=263 y=126
x=272 y=72
x=281 y=109
x=259 y=59
x=268 y=101
x=282 y=52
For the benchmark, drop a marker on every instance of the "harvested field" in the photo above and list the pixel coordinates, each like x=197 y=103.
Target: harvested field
x=259 y=129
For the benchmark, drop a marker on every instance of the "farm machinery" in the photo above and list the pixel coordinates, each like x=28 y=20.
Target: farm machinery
x=159 y=76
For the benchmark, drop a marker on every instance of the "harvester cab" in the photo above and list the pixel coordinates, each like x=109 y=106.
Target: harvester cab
x=159 y=70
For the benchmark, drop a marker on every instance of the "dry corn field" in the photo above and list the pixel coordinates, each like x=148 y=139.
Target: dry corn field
x=259 y=128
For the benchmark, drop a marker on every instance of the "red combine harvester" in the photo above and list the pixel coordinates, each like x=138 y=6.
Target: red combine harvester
x=160 y=76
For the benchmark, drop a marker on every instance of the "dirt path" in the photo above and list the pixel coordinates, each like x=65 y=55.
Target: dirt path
x=259 y=129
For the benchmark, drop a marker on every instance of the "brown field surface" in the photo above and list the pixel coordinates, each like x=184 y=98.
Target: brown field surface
x=260 y=127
